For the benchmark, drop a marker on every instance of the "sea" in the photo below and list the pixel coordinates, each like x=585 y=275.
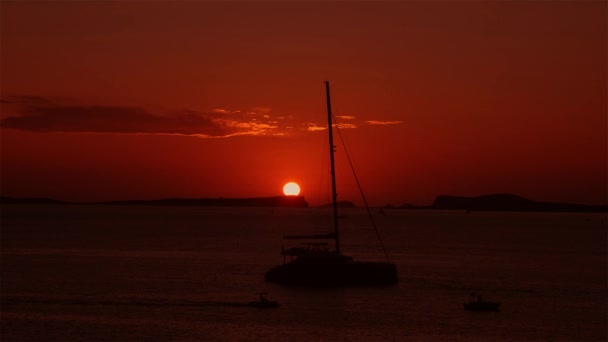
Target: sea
x=155 y=273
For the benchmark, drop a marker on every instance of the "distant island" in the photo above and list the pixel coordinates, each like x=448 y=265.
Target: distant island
x=502 y=202
x=493 y=202
x=275 y=201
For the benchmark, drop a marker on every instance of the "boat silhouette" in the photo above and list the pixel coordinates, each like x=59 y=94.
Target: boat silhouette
x=477 y=303
x=315 y=264
x=264 y=303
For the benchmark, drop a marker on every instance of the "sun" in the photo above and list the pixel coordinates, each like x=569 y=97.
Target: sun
x=291 y=189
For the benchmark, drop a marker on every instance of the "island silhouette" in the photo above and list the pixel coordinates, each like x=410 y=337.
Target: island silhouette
x=492 y=202
x=274 y=201
x=502 y=202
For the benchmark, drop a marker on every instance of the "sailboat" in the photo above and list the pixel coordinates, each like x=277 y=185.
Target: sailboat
x=315 y=264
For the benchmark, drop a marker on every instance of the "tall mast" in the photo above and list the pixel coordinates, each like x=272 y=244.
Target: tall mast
x=333 y=167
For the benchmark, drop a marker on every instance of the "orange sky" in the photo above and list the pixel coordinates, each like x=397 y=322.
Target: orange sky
x=124 y=100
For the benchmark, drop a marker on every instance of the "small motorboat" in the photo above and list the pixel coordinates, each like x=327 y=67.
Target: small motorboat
x=264 y=303
x=482 y=306
x=477 y=303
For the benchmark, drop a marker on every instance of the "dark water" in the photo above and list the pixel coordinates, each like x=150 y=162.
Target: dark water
x=183 y=273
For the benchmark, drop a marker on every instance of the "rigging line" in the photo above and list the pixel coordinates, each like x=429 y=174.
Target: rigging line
x=369 y=212
x=323 y=190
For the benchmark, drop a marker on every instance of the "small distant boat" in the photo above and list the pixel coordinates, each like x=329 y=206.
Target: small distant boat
x=477 y=303
x=482 y=306
x=264 y=303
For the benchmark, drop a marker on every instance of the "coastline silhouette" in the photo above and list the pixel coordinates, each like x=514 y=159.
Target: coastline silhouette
x=492 y=202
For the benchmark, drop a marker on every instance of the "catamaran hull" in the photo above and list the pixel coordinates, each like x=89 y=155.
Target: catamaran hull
x=354 y=273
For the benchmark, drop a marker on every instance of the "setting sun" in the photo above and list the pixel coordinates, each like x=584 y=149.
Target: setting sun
x=291 y=189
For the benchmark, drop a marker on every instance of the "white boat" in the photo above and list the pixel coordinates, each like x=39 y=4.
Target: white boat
x=264 y=303
x=477 y=303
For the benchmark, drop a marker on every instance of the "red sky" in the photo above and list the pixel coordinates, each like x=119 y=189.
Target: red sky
x=143 y=100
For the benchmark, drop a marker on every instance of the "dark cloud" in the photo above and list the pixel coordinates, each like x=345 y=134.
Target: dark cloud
x=111 y=119
x=37 y=114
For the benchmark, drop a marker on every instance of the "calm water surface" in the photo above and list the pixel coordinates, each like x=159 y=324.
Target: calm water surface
x=179 y=273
